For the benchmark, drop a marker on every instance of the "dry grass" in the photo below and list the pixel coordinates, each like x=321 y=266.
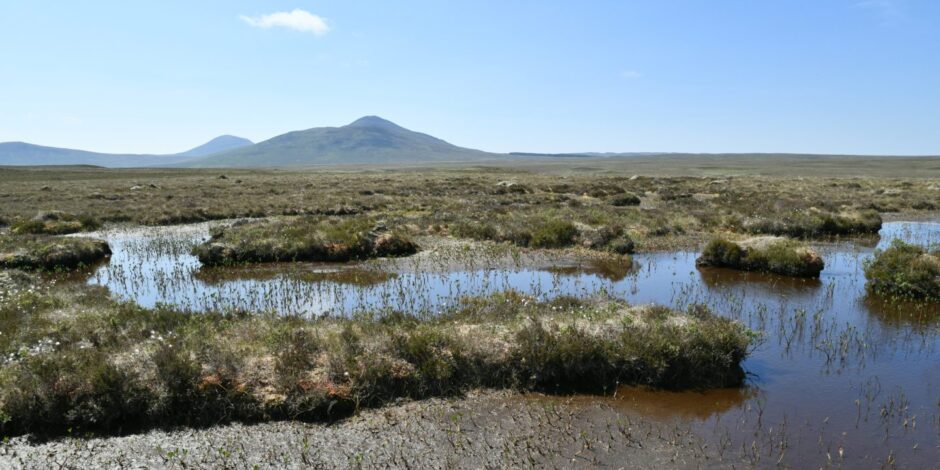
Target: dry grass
x=73 y=359
x=303 y=239
x=471 y=202
x=42 y=252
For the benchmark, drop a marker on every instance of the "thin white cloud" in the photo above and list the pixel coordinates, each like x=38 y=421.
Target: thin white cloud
x=630 y=74
x=298 y=20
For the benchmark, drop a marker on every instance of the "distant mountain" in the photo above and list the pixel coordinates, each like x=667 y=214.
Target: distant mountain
x=21 y=153
x=548 y=155
x=216 y=145
x=587 y=154
x=370 y=139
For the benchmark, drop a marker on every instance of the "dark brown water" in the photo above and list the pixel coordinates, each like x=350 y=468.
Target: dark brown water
x=838 y=379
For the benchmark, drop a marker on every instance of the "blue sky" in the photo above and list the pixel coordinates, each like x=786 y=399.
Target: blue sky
x=820 y=76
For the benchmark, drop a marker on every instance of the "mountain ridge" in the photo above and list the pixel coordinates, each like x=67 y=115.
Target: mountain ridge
x=369 y=139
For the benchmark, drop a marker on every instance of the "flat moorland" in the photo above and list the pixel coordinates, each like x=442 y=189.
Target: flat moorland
x=599 y=204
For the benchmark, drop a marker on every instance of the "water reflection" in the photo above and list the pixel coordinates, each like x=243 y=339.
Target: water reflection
x=720 y=277
x=305 y=272
x=698 y=405
x=902 y=313
x=615 y=270
x=154 y=265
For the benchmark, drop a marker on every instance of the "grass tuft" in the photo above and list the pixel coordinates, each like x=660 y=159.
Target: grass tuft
x=56 y=223
x=40 y=252
x=905 y=271
x=114 y=367
x=302 y=239
x=553 y=234
x=624 y=200
x=766 y=254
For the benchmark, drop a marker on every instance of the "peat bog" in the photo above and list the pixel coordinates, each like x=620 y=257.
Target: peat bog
x=535 y=283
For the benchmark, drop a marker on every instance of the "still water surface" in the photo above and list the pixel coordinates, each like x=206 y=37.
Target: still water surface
x=839 y=378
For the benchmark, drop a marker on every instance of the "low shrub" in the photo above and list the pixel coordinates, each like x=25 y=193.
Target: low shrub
x=438 y=361
x=474 y=230
x=550 y=358
x=623 y=245
x=71 y=389
x=553 y=234
x=296 y=351
x=721 y=253
x=904 y=270
x=767 y=254
x=602 y=190
x=623 y=200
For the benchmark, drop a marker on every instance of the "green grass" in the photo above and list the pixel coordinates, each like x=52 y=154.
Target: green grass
x=905 y=271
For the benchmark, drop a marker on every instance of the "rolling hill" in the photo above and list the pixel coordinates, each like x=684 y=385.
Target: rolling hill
x=370 y=139
x=216 y=145
x=21 y=153
x=24 y=154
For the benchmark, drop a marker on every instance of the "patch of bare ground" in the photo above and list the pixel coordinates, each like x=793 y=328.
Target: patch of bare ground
x=484 y=430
